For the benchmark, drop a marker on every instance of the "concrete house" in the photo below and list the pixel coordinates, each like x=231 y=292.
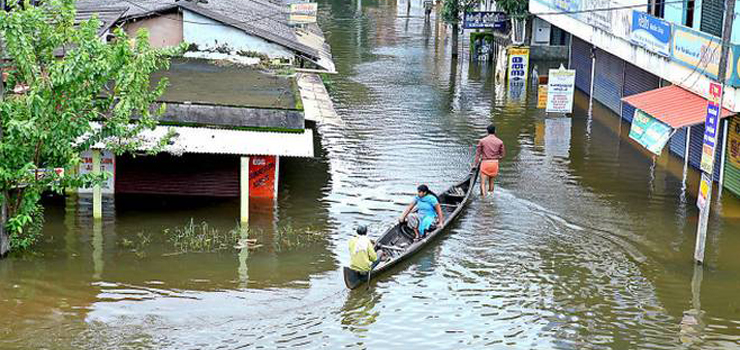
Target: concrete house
x=233 y=119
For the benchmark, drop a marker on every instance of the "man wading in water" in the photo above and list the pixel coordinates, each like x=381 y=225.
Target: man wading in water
x=490 y=149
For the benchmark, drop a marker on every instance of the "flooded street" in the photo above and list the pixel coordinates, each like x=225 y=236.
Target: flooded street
x=587 y=243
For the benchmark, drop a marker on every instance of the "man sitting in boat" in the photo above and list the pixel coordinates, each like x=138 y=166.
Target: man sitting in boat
x=428 y=212
x=363 y=257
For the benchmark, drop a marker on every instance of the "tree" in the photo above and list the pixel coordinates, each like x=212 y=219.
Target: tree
x=453 y=9
x=66 y=90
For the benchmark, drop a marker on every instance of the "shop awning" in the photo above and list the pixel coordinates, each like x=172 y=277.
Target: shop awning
x=673 y=105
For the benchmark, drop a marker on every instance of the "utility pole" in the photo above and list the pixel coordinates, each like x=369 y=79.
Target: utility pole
x=701 y=234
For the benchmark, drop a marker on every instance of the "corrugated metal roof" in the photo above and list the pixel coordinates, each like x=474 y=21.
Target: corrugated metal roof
x=223 y=141
x=673 y=105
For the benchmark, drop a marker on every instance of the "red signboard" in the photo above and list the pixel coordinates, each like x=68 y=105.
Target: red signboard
x=262 y=176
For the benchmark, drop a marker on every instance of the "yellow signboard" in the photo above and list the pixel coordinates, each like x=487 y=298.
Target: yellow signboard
x=698 y=50
x=733 y=143
x=518 y=64
x=542 y=96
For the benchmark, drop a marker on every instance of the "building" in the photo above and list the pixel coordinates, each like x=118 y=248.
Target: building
x=659 y=58
x=234 y=103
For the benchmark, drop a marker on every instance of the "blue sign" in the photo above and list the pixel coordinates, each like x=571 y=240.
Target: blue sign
x=485 y=19
x=710 y=125
x=651 y=33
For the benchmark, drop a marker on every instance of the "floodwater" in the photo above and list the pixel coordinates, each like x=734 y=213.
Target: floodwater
x=587 y=243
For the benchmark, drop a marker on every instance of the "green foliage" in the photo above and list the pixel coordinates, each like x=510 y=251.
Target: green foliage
x=68 y=90
x=451 y=10
x=515 y=8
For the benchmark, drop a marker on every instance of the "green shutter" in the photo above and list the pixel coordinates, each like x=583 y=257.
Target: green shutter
x=732 y=172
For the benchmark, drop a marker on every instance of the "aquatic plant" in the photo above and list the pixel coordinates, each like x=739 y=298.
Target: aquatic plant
x=202 y=237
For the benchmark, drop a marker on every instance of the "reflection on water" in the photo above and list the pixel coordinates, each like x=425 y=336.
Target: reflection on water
x=586 y=244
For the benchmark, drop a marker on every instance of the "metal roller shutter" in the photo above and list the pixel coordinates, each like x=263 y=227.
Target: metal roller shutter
x=636 y=81
x=580 y=60
x=695 y=145
x=695 y=148
x=732 y=179
x=677 y=143
x=608 y=80
x=732 y=173
x=211 y=175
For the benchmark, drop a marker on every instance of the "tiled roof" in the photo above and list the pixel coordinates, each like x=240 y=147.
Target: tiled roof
x=261 y=18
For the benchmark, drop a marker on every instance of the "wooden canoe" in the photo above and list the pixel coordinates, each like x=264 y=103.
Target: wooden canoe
x=398 y=244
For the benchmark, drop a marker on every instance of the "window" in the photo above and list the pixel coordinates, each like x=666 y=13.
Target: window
x=688 y=19
x=657 y=8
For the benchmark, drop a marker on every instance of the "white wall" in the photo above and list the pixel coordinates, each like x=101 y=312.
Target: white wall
x=214 y=35
x=646 y=60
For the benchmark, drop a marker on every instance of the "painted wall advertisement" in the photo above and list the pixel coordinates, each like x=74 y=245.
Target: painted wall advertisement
x=107 y=164
x=649 y=132
x=518 y=68
x=711 y=125
x=485 y=19
x=262 y=176
x=560 y=88
x=651 y=33
x=704 y=184
x=696 y=49
x=303 y=13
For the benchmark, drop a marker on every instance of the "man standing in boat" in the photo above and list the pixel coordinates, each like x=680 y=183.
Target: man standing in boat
x=488 y=153
x=363 y=257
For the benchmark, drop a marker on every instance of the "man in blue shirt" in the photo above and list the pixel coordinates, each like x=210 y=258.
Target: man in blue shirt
x=428 y=212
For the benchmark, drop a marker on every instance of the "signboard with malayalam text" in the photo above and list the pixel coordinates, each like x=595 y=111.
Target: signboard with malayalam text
x=649 y=132
x=651 y=33
x=542 y=96
x=485 y=20
x=518 y=64
x=303 y=13
x=107 y=164
x=711 y=125
x=560 y=89
x=262 y=176
x=704 y=185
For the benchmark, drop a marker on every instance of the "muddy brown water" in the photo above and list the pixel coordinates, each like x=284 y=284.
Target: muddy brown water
x=586 y=244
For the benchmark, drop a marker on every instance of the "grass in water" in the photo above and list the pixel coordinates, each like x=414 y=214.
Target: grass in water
x=201 y=238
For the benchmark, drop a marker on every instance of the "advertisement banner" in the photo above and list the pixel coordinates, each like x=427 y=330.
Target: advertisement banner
x=518 y=63
x=262 y=176
x=651 y=33
x=303 y=13
x=696 y=49
x=704 y=185
x=733 y=143
x=649 y=132
x=542 y=96
x=107 y=164
x=711 y=125
x=560 y=89
x=485 y=19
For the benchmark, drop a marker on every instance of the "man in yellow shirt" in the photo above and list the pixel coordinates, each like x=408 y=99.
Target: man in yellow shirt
x=362 y=252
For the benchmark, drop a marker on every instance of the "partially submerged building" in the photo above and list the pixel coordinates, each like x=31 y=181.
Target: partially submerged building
x=233 y=101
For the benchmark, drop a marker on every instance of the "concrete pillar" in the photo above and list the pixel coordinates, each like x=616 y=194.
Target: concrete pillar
x=97 y=193
x=244 y=190
x=277 y=176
